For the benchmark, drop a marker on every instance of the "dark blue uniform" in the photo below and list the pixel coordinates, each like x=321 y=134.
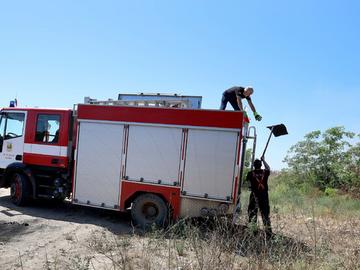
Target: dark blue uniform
x=259 y=198
x=230 y=95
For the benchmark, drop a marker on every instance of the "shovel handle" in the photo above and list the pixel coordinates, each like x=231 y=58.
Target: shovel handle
x=267 y=144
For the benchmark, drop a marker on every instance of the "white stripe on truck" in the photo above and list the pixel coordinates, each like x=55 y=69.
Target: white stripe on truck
x=49 y=150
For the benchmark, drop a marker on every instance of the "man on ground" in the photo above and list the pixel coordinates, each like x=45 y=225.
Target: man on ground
x=259 y=198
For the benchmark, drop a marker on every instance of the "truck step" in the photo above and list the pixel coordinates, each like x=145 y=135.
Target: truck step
x=44 y=176
x=46 y=186
x=43 y=196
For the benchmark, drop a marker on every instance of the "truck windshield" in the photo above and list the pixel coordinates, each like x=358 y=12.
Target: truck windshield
x=14 y=125
x=11 y=126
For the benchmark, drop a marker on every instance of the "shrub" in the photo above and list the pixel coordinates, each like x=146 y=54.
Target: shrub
x=326 y=160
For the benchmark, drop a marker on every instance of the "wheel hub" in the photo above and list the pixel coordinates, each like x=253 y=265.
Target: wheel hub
x=150 y=211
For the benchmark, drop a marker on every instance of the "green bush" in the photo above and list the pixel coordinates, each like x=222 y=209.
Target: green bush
x=288 y=191
x=331 y=192
x=326 y=160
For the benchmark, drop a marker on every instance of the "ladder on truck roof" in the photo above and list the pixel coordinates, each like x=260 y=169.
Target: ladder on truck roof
x=154 y=100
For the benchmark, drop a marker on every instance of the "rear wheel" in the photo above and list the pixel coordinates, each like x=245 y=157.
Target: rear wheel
x=19 y=189
x=149 y=209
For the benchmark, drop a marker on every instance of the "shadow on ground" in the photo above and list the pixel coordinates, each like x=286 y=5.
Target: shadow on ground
x=10 y=229
x=116 y=222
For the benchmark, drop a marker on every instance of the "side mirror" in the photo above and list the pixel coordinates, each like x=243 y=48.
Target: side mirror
x=1 y=142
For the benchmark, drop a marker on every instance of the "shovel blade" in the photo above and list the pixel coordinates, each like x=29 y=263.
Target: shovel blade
x=278 y=130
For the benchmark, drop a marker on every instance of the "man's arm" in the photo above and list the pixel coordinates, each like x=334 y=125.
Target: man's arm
x=239 y=102
x=257 y=116
x=267 y=167
x=252 y=107
x=248 y=180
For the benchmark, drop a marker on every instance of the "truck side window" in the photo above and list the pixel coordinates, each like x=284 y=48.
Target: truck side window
x=14 y=126
x=47 y=128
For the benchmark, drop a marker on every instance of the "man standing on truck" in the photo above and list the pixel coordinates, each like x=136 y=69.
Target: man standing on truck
x=234 y=95
x=259 y=197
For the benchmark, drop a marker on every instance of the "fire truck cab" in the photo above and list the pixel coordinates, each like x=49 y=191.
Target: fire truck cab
x=157 y=162
x=35 y=152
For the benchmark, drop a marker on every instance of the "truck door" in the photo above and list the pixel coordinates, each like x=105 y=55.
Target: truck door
x=11 y=137
x=99 y=159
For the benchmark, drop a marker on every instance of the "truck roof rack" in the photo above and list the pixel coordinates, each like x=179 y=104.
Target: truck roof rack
x=154 y=100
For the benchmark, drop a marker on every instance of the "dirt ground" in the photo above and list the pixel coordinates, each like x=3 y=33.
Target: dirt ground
x=46 y=235
x=32 y=236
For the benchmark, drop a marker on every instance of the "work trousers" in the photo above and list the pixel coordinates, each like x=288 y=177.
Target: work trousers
x=231 y=98
x=260 y=201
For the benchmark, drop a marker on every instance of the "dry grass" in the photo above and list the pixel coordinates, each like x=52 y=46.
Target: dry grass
x=299 y=242
x=302 y=240
x=310 y=237
x=217 y=245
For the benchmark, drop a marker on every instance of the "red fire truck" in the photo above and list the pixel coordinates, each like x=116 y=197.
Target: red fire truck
x=158 y=163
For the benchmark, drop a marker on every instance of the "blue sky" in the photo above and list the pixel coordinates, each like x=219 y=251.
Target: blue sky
x=301 y=57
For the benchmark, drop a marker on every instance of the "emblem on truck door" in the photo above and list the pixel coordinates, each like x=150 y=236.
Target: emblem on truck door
x=9 y=147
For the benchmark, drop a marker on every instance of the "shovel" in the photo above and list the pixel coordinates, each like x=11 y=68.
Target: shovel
x=277 y=130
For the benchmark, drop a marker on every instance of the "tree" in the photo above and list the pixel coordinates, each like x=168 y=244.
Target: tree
x=326 y=159
x=248 y=156
x=353 y=156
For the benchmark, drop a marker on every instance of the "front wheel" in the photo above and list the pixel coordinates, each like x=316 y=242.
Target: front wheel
x=19 y=189
x=148 y=209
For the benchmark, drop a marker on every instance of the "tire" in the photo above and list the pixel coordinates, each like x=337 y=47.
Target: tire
x=19 y=189
x=149 y=209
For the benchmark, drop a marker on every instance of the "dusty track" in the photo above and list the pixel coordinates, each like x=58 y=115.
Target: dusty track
x=43 y=232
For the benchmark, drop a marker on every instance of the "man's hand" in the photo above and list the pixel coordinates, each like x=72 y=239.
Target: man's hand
x=257 y=116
